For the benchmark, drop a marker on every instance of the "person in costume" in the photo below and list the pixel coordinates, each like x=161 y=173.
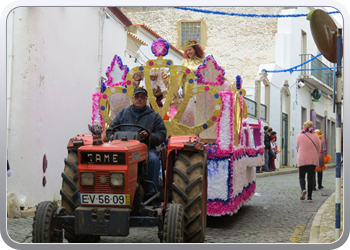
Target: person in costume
x=193 y=57
x=137 y=80
x=158 y=87
x=323 y=159
x=274 y=133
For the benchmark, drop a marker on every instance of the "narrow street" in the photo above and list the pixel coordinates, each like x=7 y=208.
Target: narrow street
x=275 y=214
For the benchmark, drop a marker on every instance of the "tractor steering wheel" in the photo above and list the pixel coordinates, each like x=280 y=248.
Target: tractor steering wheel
x=132 y=125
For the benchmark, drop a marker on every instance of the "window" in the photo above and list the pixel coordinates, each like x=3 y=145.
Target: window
x=188 y=30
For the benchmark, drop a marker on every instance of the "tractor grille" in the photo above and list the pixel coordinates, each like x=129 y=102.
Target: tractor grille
x=102 y=188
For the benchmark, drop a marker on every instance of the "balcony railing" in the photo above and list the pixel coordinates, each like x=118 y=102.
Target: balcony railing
x=325 y=75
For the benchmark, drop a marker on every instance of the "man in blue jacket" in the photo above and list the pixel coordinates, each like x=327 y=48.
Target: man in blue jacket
x=140 y=114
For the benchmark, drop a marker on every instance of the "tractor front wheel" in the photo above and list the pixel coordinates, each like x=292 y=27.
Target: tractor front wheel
x=173 y=224
x=44 y=223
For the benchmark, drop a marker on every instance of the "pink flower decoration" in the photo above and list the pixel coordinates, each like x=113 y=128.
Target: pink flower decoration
x=219 y=80
x=116 y=60
x=160 y=47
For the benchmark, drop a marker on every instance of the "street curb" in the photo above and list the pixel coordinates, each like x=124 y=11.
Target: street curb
x=316 y=223
x=287 y=170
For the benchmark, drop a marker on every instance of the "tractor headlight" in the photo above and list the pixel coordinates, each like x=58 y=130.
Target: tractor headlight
x=87 y=178
x=116 y=179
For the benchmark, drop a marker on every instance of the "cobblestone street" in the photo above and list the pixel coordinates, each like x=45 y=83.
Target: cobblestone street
x=273 y=215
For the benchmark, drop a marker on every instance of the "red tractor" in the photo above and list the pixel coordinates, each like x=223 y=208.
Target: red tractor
x=104 y=186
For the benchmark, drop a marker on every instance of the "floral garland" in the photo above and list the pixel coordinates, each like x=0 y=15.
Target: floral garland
x=225 y=120
x=227 y=194
x=96 y=111
x=239 y=82
x=125 y=68
x=219 y=80
x=231 y=173
x=96 y=97
x=160 y=47
x=219 y=207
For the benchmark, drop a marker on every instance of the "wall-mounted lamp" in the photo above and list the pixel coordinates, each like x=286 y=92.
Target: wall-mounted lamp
x=301 y=84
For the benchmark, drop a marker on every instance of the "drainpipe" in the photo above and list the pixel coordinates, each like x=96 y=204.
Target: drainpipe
x=9 y=70
x=102 y=18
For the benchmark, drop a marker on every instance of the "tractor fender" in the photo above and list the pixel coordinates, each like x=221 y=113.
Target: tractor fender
x=80 y=140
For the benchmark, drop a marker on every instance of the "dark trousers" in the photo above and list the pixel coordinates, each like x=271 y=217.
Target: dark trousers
x=267 y=160
x=272 y=163
x=319 y=178
x=310 y=170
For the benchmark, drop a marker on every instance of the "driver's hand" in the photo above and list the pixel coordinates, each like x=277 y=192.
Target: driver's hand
x=143 y=133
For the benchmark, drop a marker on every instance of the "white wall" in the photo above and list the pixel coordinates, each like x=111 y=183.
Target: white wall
x=56 y=69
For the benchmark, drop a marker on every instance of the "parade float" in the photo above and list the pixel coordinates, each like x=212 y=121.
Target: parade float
x=234 y=146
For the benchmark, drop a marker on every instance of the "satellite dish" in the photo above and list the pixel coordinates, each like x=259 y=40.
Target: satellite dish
x=324 y=32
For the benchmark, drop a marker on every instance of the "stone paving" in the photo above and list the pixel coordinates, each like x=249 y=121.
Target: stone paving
x=271 y=216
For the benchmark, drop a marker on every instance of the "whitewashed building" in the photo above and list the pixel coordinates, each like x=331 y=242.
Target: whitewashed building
x=57 y=58
x=287 y=96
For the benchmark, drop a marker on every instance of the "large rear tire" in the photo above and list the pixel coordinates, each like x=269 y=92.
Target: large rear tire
x=44 y=222
x=173 y=224
x=69 y=194
x=70 y=182
x=190 y=190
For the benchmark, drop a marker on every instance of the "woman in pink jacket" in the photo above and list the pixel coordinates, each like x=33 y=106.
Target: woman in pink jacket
x=308 y=147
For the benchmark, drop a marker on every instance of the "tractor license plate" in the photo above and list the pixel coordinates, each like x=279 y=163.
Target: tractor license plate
x=104 y=199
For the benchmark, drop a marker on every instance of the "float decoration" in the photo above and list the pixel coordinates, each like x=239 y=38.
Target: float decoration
x=160 y=47
x=113 y=73
x=109 y=104
x=210 y=70
x=238 y=147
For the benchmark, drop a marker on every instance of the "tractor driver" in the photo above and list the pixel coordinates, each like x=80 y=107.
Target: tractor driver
x=140 y=114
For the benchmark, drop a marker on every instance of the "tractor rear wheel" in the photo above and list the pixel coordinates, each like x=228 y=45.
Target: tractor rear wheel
x=44 y=222
x=190 y=190
x=173 y=224
x=70 y=182
x=69 y=194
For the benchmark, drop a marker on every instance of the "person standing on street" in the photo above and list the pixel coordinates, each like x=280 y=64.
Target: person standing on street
x=267 y=143
x=308 y=147
x=273 y=153
x=324 y=158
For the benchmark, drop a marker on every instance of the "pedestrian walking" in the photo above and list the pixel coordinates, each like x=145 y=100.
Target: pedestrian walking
x=308 y=147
